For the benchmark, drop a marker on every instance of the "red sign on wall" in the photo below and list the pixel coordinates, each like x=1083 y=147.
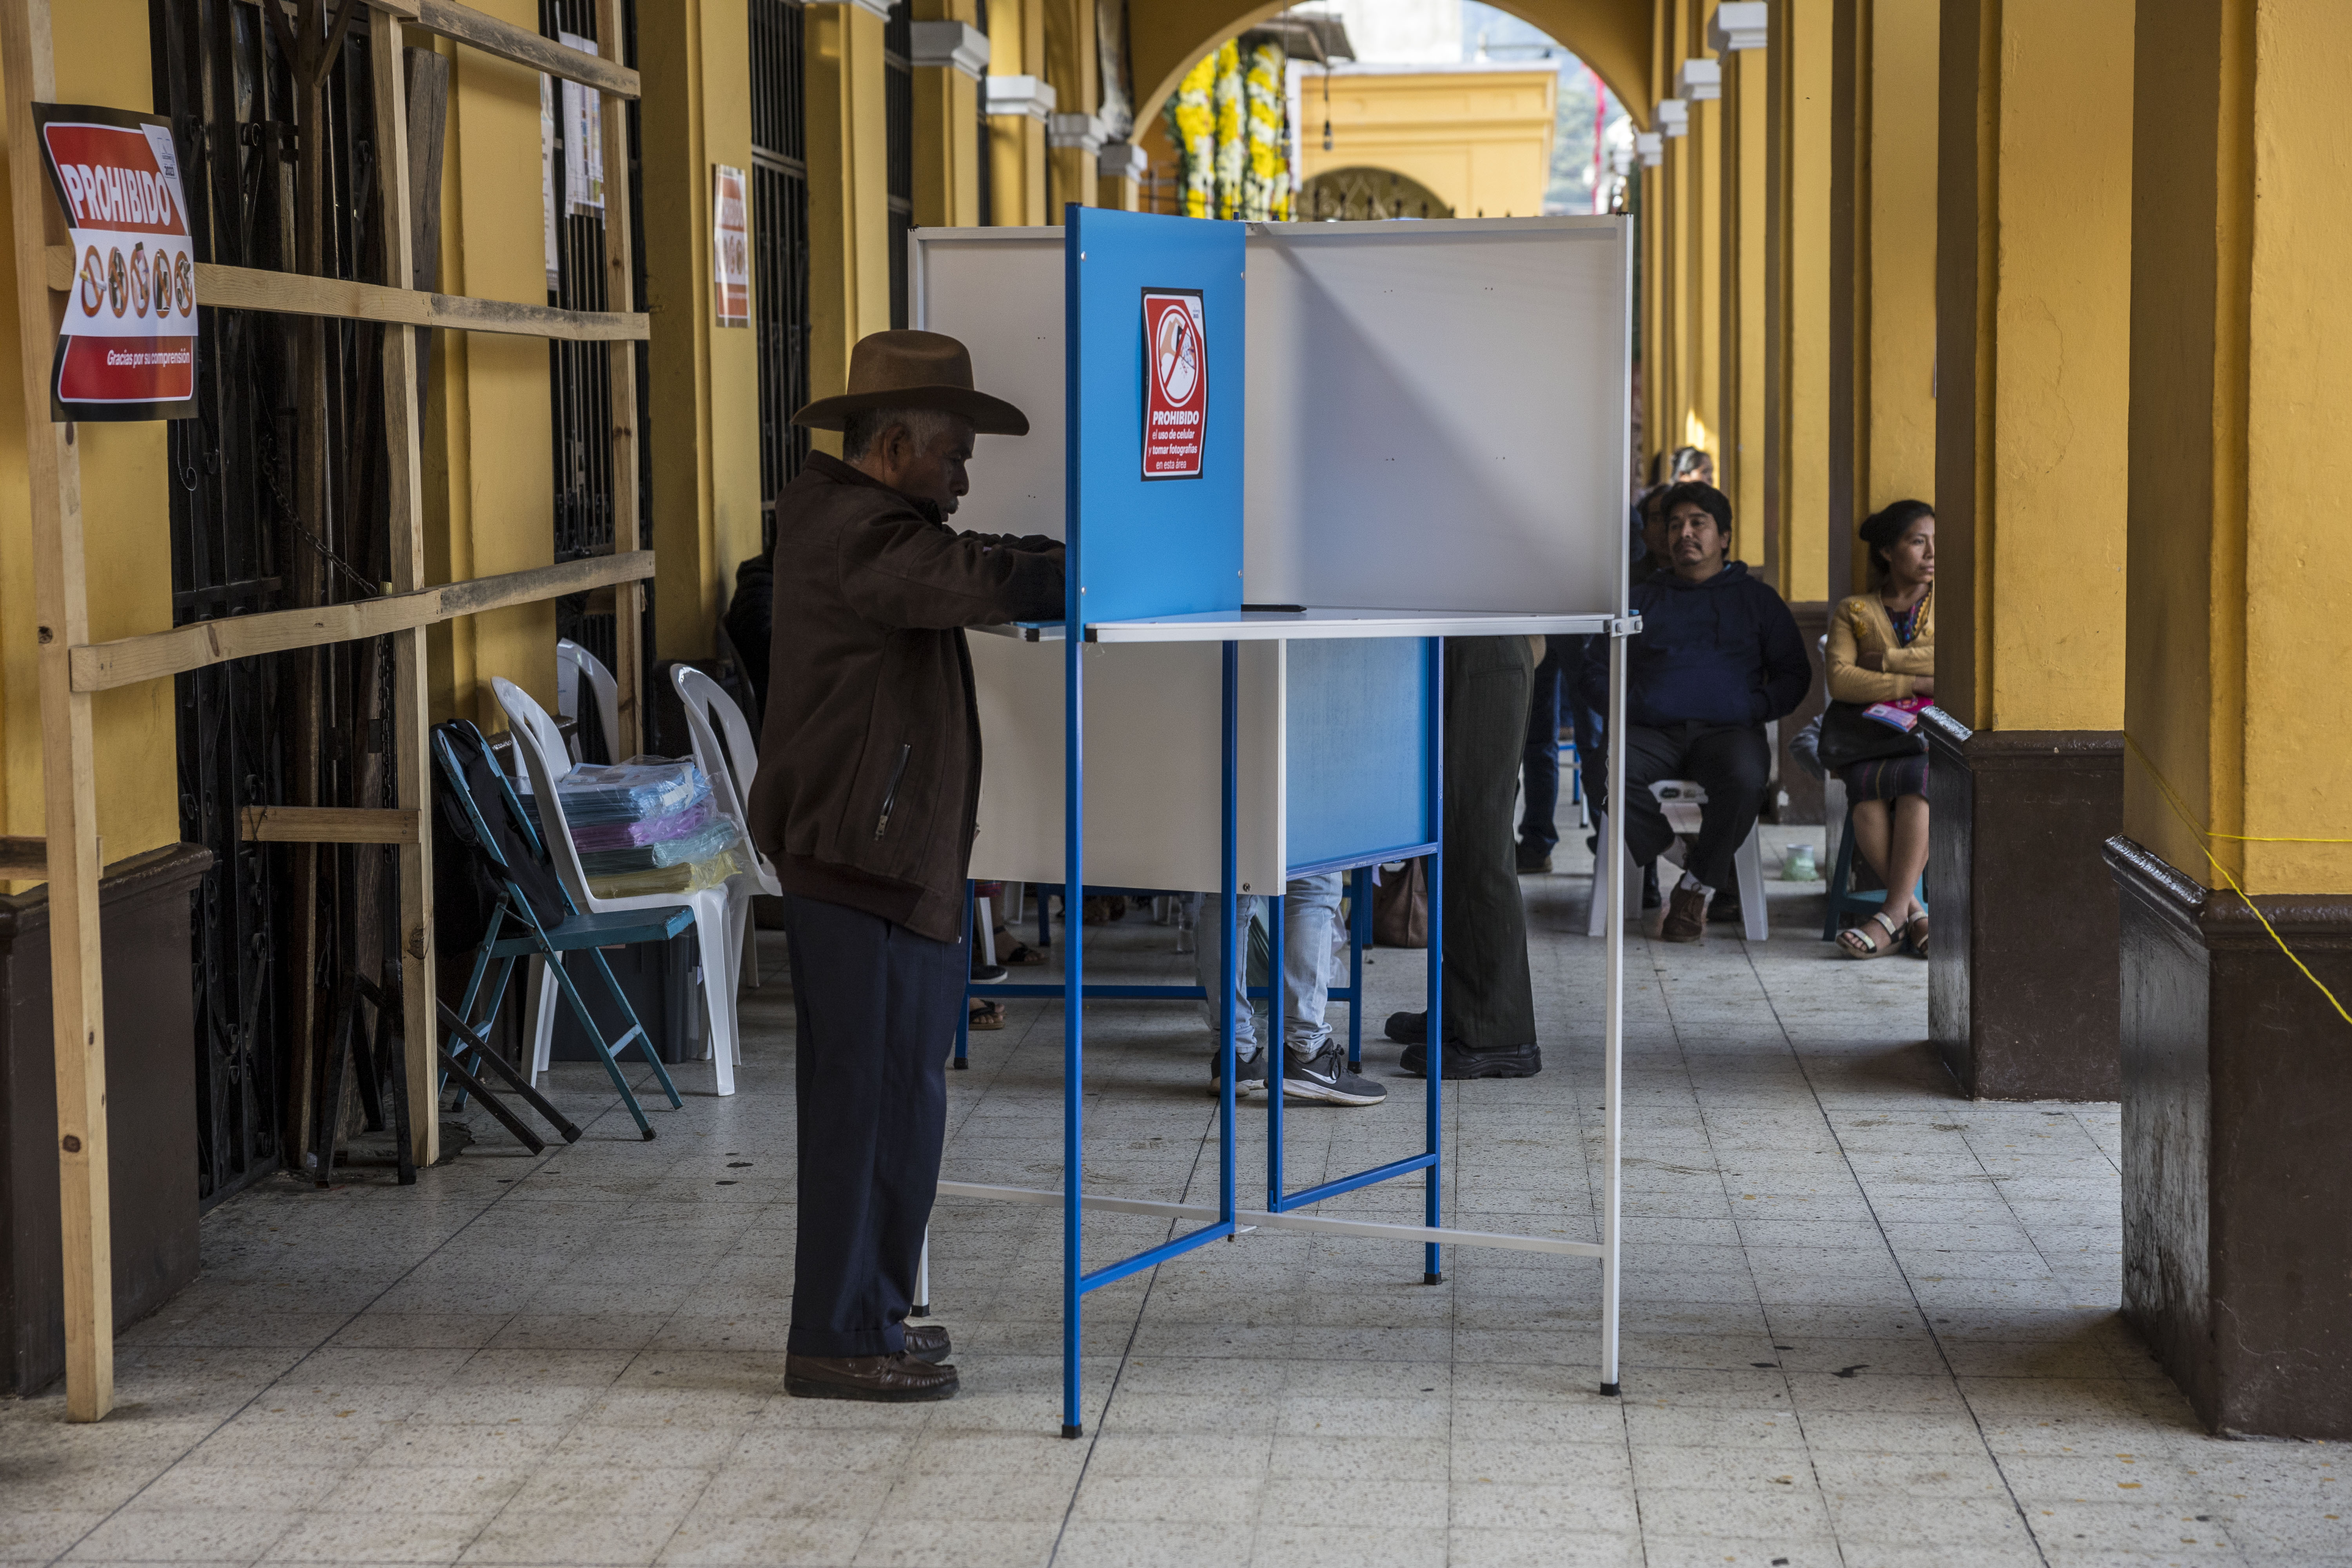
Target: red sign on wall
x=1175 y=384
x=730 y=248
x=128 y=343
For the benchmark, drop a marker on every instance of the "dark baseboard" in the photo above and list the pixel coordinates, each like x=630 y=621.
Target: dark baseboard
x=2237 y=1089
x=2022 y=986
x=150 y=1105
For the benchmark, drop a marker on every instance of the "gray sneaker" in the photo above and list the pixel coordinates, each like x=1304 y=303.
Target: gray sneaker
x=1326 y=1076
x=1249 y=1073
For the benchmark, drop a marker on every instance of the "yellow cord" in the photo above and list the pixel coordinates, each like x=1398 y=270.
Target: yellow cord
x=2180 y=811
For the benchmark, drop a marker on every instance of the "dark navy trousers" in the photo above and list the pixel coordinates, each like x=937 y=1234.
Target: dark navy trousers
x=876 y=1018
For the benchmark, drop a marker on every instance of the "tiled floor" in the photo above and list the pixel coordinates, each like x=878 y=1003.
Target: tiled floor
x=1866 y=1323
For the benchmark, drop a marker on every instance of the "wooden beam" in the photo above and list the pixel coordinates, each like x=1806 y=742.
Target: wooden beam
x=411 y=719
x=327 y=825
x=24 y=860
x=508 y=42
x=294 y=294
x=629 y=598
x=69 y=772
x=101 y=666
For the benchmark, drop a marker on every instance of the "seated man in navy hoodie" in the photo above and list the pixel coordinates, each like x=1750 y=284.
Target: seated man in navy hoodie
x=1720 y=657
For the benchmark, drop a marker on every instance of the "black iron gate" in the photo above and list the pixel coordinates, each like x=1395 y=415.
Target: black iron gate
x=276 y=501
x=898 y=145
x=780 y=247
x=581 y=395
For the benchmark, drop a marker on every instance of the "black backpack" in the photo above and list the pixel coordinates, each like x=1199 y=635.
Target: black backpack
x=468 y=878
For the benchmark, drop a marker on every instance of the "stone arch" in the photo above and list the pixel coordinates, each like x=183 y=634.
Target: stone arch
x=1365 y=191
x=1168 y=37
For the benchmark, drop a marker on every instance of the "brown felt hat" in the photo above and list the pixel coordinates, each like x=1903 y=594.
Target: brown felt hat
x=913 y=370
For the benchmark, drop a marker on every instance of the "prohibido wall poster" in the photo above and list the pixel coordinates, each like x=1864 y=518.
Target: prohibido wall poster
x=127 y=344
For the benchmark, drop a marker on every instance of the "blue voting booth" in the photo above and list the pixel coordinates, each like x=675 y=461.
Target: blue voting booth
x=1288 y=461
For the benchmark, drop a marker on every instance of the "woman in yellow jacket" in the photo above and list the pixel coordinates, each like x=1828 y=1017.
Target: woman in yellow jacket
x=1882 y=648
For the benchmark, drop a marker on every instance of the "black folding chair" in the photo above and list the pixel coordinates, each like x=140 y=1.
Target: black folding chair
x=533 y=917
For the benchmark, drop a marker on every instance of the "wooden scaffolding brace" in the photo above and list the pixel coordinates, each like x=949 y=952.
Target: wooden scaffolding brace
x=71 y=668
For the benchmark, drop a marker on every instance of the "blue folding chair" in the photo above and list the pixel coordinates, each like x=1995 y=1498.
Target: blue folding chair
x=516 y=930
x=1845 y=898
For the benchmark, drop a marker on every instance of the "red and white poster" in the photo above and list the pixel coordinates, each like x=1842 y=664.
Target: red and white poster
x=730 y=246
x=127 y=344
x=1175 y=384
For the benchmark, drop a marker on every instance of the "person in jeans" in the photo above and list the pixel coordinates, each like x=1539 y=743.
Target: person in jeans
x=1539 y=762
x=1314 y=1066
x=867 y=790
x=1719 y=657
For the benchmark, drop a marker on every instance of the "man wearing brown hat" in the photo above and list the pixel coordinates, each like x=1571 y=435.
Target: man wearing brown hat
x=867 y=797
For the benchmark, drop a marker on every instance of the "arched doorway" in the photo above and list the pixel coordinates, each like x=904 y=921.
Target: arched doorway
x=1168 y=37
x=1359 y=194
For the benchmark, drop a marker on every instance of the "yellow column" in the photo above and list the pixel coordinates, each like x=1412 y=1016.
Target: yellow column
x=705 y=435
x=2239 y=327
x=849 y=192
x=1882 y=267
x=101 y=57
x=1739 y=39
x=1700 y=84
x=2235 y=1092
x=1119 y=174
x=1020 y=102
x=1797 y=298
x=950 y=61
x=1649 y=191
x=2033 y=411
x=1074 y=137
x=2033 y=356
x=1673 y=358
x=489 y=474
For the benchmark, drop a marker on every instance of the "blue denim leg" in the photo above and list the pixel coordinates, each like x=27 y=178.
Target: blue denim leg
x=1205 y=945
x=1310 y=907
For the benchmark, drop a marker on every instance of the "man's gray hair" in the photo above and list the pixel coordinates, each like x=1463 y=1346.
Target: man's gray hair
x=860 y=431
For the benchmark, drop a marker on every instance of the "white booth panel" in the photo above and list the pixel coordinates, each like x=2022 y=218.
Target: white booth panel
x=999 y=292
x=1154 y=777
x=1438 y=414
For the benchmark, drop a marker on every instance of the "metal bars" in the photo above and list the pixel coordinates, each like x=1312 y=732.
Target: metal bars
x=780 y=244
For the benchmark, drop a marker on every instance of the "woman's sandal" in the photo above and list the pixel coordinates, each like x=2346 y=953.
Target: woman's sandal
x=1855 y=941
x=1020 y=956
x=1915 y=935
x=985 y=1016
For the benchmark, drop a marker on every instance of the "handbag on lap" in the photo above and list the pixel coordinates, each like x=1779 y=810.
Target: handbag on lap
x=1866 y=732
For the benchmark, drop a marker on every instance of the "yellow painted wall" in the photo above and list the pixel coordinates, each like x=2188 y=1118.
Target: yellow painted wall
x=2240 y=615
x=489 y=488
x=1479 y=139
x=100 y=48
x=1797 y=302
x=948 y=147
x=1016 y=142
x=704 y=424
x=849 y=228
x=1746 y=143
x=2034 y=356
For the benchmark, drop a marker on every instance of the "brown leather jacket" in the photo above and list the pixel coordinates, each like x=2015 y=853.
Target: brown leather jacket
x=868 y=788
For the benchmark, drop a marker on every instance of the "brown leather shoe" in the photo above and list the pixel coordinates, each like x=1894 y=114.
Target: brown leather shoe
x=898 y=1379
x=1686 y=916
x=928 y=1341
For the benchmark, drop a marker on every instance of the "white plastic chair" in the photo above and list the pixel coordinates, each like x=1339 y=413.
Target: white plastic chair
x=536 y=742
x=573 y=662
x=729 y=758
x=1747 y=860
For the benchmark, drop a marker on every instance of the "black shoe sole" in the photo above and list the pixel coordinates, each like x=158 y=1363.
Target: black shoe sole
x=1460 y=1064
x=1414 y=1034
x=810 y=1388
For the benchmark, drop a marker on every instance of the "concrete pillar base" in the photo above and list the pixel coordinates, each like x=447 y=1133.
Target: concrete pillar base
x=2237 y=1222
x=2022 y=989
